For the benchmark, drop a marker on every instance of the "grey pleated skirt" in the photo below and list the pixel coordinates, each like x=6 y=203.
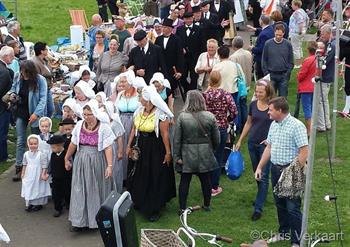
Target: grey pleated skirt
x=126 y=119
x=117 y=169
x=90 y=188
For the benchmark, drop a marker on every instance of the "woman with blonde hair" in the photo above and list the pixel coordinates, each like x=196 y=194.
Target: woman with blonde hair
x=221 y=104
x=257 y=126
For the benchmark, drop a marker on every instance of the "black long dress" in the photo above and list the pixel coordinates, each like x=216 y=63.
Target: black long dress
x=153 y=183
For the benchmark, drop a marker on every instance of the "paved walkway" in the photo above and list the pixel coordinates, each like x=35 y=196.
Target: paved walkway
x=39 y=229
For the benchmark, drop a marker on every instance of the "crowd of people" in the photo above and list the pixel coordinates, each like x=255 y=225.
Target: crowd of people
x=119 y=132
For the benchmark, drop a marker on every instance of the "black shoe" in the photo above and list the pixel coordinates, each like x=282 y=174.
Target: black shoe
x=18 y=174
x=29 y=208
x=75 y=229
x=37 y=208
x=154 y=217
x=206 y=208
x=57 y=214
x=256 y=216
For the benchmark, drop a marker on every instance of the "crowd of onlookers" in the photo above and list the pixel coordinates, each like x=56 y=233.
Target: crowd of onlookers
x=118 y=130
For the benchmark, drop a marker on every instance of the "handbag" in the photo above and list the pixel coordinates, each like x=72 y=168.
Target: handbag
x=234 y=165
x=135 y=150
x=241 y=83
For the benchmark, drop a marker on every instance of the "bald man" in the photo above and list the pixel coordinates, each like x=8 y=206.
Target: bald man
x=96 y=24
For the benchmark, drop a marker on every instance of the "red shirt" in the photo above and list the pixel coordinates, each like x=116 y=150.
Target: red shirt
x=306 y=74
x=221 y=104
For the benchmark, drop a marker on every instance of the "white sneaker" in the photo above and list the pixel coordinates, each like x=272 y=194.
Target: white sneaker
x=295 y=245
x=276 y=238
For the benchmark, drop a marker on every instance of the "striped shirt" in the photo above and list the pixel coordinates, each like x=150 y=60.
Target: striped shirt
x=285 y=138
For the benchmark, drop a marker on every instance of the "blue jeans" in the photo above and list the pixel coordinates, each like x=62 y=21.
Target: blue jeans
x=219 y=154
x=280 y=83
x=4 y=129
x=242 y=113
x=288 y=211
x=50 y=104
x=255 y=153
x=21 y=131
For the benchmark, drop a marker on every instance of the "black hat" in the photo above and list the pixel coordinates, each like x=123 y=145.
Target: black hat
x=188 y=15
x=204 y=3
x=156 y=22
x=196 y=9
x=167 y=22
x=140 y=35
x=66 y=121
x=56 y=139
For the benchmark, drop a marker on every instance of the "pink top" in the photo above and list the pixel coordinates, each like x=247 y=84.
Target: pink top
x=88 y=138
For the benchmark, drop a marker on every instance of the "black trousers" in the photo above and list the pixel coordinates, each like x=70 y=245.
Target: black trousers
x=185 y=181
x=102 y=8
x=189 y=66
x=61 y=188
x=347 y=81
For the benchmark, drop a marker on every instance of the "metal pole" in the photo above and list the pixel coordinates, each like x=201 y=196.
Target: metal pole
x=310 y=163
x=339 y=21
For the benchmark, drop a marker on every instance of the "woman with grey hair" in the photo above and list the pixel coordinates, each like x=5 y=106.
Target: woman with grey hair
x=196 y=138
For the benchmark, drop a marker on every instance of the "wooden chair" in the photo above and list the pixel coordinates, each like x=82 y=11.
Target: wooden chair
x=78 y=17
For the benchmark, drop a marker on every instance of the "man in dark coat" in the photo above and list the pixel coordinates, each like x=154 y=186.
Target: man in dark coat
x=6 y=77
x=172 y=53
x=146 y=58
x=266 y=33
x=212 y=28
x=14 y=32
x=189 y=35
x=222 y=8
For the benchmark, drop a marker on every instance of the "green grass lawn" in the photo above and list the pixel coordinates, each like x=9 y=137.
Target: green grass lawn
x=46 y=20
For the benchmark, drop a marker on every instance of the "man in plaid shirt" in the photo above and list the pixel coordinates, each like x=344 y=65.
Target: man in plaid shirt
x=286 y=140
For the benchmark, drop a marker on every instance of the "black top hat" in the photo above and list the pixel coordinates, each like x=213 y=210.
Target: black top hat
x=188 y=15
x=56 y=139
x=167 y=22
x=196 y=9
x=66 y=121
x=140 y=35
x=204 y=3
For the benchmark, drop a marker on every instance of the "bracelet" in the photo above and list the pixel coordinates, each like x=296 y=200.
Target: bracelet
x=110 y=166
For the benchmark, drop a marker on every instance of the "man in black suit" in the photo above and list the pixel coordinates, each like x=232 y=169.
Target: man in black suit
x=222 y=8
x=146 y=58
x=189 y=35
x=212 y=27
x=6 y=77
x=172 y=52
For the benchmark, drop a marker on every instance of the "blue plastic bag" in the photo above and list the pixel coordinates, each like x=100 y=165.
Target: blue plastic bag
x=234 y=165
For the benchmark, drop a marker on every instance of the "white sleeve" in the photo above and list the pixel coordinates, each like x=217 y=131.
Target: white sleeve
x=107 y=137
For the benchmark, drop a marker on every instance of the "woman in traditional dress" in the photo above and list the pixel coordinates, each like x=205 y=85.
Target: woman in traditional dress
x=152 y=183
x=118 y=130
x=92 y=182
x=126 y=104
x=164 y=89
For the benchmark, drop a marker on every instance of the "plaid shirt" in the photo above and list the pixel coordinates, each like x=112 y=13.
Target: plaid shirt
x=286 y=138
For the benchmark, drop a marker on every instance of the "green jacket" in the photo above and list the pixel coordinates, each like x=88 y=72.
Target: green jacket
x=192 y=146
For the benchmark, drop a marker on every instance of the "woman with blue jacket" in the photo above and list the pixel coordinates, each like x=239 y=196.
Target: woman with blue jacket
x=30 y=95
